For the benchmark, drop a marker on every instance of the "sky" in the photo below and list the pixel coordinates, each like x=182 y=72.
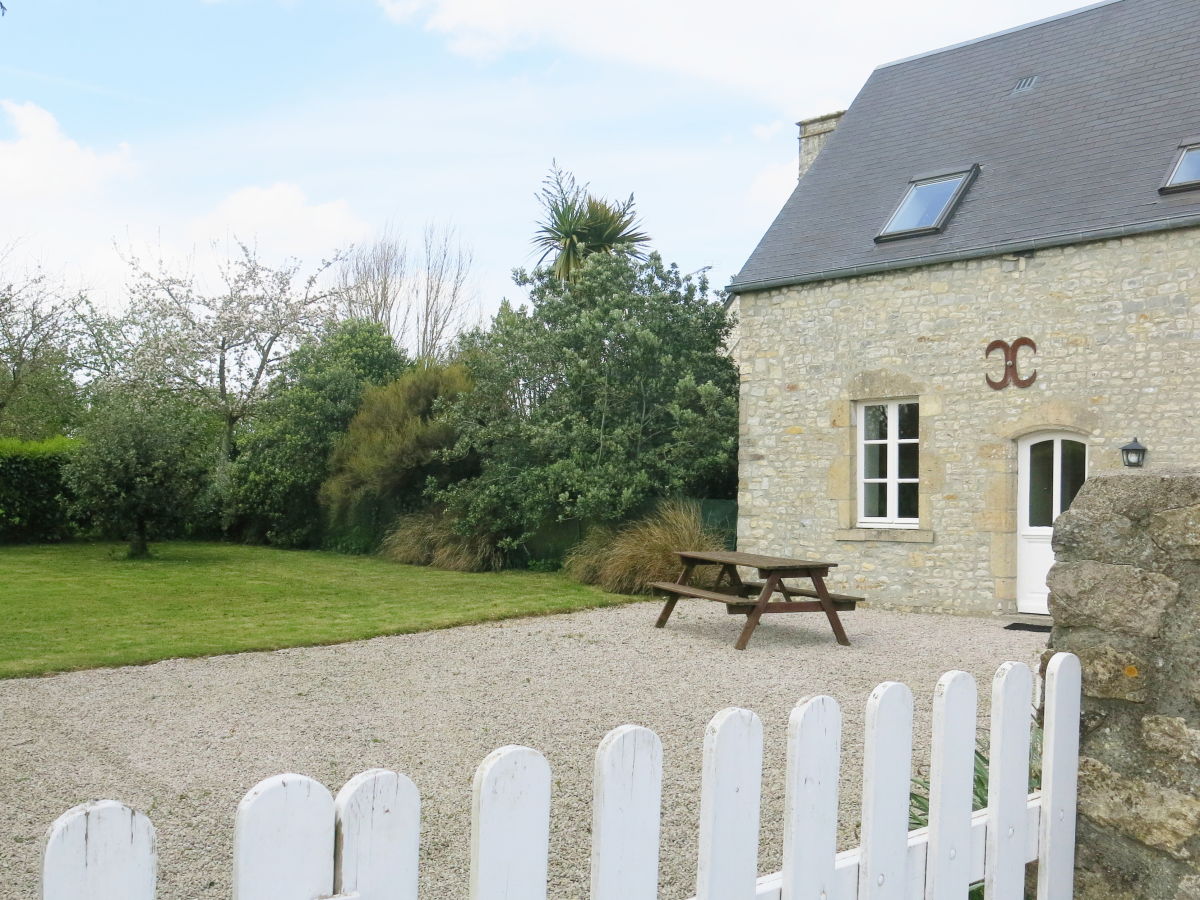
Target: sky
x=171 y=128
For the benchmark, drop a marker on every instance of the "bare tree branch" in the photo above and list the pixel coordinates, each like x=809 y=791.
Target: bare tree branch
x=372 y=282
x=441 y=306
x=422 y=300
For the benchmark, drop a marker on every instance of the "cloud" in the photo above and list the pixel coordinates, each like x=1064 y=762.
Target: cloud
x=281 y=221
x=41 y=163
x=399 y=10
x=68 y=207
x=798 y=57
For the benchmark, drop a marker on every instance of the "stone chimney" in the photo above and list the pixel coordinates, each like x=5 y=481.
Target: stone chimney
x=813 y=134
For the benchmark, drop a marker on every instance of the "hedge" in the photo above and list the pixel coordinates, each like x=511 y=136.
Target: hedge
x=34 y=505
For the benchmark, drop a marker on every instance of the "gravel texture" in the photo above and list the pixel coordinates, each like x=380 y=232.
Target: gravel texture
x=183 y=740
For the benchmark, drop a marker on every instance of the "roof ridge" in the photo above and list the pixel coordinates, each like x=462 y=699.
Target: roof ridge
x=996 y=34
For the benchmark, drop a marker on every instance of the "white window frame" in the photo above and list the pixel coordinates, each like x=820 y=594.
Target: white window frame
x=892 y=454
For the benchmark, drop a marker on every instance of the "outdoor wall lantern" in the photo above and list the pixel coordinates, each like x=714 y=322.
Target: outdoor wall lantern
x=1133 y=454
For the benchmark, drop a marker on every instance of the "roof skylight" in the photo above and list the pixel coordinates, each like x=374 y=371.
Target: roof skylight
x=927 y=205
x=1185 y=175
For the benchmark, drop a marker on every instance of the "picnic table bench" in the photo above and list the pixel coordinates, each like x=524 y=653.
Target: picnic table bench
x=753 y=598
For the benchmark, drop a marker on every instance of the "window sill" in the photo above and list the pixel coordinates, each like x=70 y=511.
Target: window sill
x=899 y=535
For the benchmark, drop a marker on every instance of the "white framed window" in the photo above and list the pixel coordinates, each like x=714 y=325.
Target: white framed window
x=888 y=463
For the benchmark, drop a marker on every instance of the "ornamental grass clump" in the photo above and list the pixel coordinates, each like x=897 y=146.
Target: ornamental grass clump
x=431 y=538
x=626 y=560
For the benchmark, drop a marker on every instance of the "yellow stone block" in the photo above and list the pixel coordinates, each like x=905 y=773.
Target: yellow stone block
x=1003 y=555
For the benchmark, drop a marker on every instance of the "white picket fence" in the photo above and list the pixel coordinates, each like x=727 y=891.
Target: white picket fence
x=294 y=841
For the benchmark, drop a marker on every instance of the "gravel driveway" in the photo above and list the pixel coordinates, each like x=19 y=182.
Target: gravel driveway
x=184 y=739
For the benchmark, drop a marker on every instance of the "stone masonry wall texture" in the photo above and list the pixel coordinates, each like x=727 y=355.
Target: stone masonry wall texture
x=1125 y=597
x=1117 y=326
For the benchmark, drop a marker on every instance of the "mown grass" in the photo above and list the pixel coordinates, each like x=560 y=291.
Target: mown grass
x=72 y=606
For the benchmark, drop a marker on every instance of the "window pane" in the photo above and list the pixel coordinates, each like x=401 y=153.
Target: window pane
x=875 y=500
x=924 y=204
x=1072 y=473
x=874 y=423
x=1189 y=167
x=875 y=461
x=1041 y=484
x=908 y=460
x=908 y=501
x=908 y=420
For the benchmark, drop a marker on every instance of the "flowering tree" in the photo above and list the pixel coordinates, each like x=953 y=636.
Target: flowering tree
x=222 y=347
x=38 y=329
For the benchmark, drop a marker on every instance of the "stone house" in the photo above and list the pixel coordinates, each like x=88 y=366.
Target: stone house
x=985 y=283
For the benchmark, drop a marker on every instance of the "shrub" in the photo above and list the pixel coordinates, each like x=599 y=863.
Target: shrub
x=284 y=450
x=625 y=560
x=606 y=394
x=142 y=462
x=34 y=502
x=389 y=455
x=431 y=538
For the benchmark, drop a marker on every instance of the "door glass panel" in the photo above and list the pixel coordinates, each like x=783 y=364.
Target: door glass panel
x=908 y=420
x=875 y=500
x=1072 y=473
x=908 y=460
x=1041 y=484
x=875 y=423
x=875 y=460
x=908 y=500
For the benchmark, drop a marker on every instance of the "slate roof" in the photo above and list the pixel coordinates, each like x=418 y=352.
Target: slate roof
x=1079 y=157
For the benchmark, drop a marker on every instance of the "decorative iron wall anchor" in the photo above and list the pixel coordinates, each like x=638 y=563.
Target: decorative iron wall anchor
x=1011 y=374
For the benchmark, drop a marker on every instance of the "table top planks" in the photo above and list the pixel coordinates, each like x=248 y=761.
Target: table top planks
x=752 y=560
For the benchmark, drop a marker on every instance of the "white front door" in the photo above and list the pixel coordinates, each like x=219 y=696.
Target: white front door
x=1051 y=469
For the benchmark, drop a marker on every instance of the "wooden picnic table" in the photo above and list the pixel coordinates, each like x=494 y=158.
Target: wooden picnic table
x=753 y=598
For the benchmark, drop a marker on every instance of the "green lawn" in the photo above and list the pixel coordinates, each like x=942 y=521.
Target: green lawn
x=71 y=606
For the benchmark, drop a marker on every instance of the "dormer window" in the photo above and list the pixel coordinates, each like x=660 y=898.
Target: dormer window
x=928 y=205
x=1185 y=174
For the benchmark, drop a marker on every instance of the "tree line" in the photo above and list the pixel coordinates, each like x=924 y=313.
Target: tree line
x=353 y=401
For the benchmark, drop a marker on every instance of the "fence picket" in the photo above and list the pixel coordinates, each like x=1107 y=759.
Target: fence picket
x=293 y=841
x=1008 y=783
x=378 y=815
x=814 y=752
x=887 y=771
x=510 y=826
x=1060 y=770
x=626 y=809
x=99 y=851
x=729 y=806
x=951 y=778
x=283 y=840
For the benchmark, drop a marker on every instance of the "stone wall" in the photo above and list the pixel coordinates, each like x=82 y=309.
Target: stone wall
x=1117 y=325
x=1125 y=597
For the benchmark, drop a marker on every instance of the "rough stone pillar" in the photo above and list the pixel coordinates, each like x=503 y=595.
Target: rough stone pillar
x=1125 y=597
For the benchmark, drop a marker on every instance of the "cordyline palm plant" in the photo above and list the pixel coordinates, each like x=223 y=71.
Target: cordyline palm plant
x=577 y=224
